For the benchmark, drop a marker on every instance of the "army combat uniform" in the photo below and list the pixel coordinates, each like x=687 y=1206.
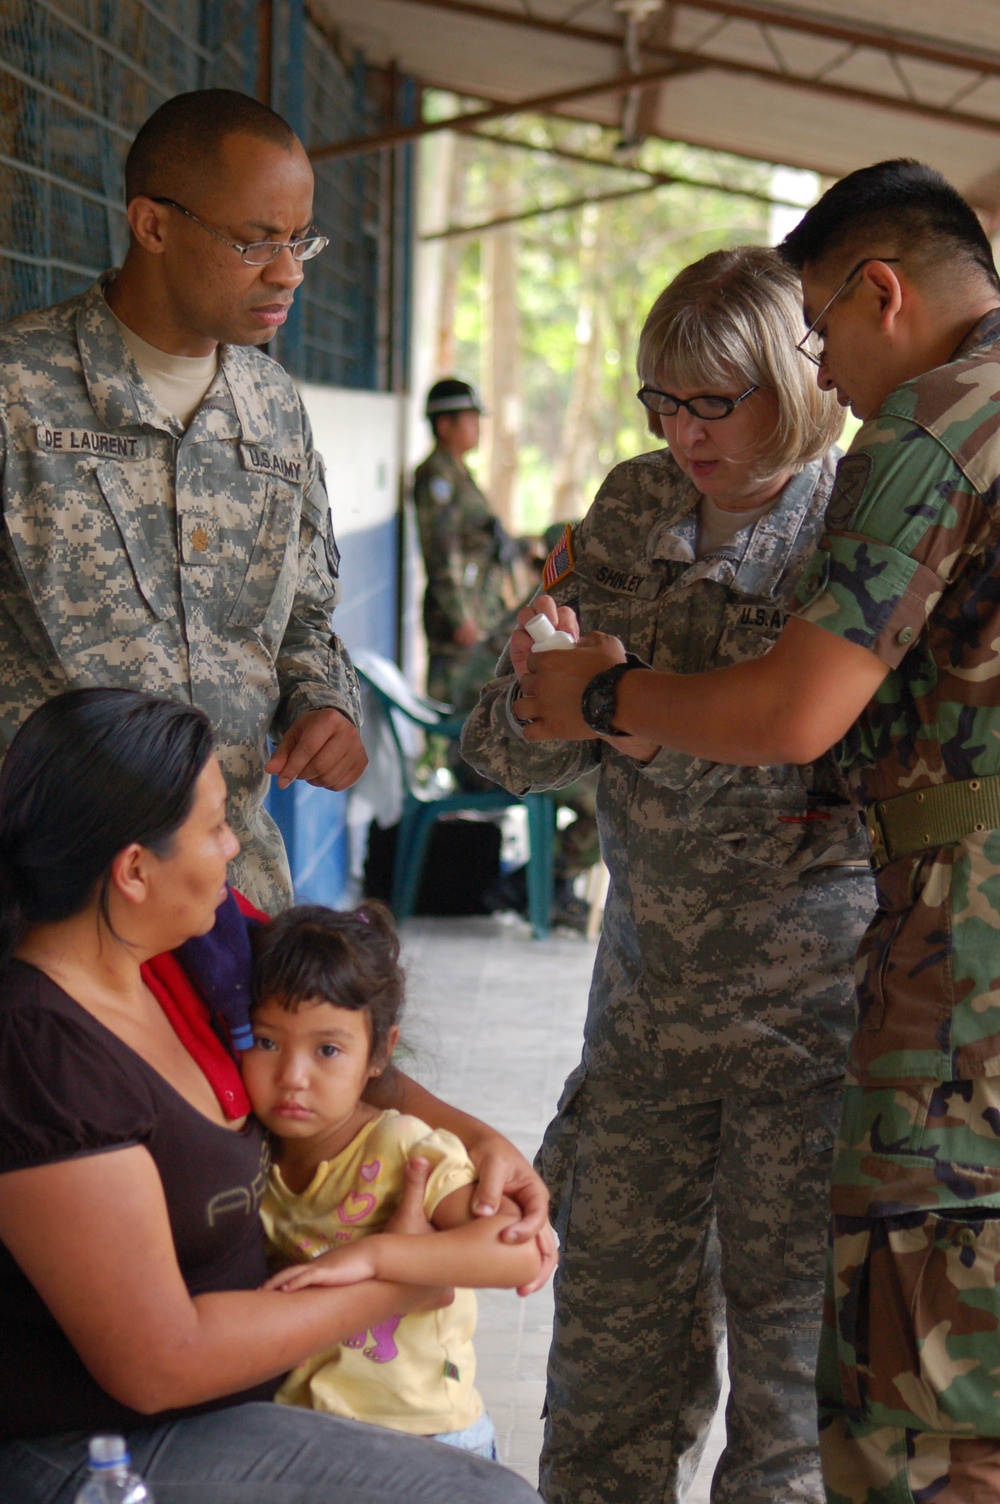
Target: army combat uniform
x=908 y=569
x=714 y=1045
x=462 y=544
x=195 y=563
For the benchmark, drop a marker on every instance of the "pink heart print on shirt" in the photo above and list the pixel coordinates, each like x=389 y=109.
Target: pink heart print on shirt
x=370 y=1172
x=355 y=1207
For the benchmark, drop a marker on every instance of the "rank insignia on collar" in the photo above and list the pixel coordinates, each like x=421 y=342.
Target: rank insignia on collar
x=560 y=561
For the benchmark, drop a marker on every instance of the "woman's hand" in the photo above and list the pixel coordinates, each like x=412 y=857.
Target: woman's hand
x=521 y=643
x=552 y=686
x=502 y=1169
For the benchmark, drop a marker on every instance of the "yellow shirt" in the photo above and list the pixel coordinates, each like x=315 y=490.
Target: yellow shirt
x=412 y=1373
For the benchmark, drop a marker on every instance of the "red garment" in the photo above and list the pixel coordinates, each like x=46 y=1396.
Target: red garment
x=182 y=1003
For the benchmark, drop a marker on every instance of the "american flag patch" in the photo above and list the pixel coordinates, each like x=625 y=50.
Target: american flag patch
x=560 y=561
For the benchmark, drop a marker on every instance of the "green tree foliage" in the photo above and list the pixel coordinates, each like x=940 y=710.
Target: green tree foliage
x=599 y=264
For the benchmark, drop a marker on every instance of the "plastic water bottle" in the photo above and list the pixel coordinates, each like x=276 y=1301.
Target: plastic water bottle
x=545 y=637
x=110 y=1479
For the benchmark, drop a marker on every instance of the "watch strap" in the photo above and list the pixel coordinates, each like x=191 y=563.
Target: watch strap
x=597 y=702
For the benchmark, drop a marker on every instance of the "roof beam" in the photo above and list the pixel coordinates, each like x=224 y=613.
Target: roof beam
x=683 y=62
x=539 y=104
x=738 y=10
x=525 y=21
x=859 y=35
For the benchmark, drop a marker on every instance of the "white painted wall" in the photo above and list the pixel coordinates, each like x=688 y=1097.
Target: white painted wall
x=359 y=435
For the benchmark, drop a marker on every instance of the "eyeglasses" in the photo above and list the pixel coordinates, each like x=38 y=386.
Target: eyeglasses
x=709 y=409
x=817 y=357
x=258 y=252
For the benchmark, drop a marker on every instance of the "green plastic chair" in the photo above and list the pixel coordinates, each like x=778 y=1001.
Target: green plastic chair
x=423 y=806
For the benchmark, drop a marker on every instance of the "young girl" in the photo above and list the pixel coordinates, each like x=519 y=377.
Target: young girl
x=327 y=993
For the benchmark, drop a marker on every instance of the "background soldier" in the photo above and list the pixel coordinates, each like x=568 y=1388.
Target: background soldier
x=466 y=550
x=166 y=525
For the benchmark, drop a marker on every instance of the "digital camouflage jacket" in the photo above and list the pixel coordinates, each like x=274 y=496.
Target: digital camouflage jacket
x=198 y=564
x=730 y=923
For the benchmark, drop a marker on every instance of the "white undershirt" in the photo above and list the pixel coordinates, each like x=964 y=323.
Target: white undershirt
x=716 y=525
x=178 y=382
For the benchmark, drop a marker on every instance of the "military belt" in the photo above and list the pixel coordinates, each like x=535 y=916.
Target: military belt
x=936 y=816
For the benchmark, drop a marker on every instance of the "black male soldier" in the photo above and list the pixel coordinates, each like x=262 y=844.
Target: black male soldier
x=465 y=548
x=166 y=525
x=895 y=650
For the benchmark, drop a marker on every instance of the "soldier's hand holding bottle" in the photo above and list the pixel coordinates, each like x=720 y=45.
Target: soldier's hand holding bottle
x=563 y=619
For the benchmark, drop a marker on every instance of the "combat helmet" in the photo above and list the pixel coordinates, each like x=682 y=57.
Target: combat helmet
x=452 y=395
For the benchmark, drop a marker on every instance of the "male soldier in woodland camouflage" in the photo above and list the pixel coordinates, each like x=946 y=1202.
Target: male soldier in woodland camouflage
x=689 y=1159
x=166 y=526
x=465 y=547
x=893 y=649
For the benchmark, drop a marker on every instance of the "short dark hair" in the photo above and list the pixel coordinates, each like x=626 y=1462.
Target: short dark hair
x=887 y=208
x=89 y=772
x=189 y=130
x=349 y=958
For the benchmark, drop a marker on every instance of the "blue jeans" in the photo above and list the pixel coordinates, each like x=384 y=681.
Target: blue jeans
x=480 y=1438
x=267 y=1454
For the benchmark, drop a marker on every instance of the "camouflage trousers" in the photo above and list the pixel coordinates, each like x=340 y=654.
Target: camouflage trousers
x=909 y=1400
x=683 y=1227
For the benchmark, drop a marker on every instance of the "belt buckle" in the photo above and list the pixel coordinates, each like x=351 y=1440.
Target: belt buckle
x=879 y=854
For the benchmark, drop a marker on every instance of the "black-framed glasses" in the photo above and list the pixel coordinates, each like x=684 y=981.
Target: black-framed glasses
x=812 y=334
x=258 y=252
x=709 y=409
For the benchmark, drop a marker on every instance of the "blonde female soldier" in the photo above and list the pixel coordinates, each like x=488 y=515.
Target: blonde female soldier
x=689 y=1158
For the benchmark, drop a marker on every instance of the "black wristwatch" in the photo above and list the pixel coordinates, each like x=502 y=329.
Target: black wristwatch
x=597 y=703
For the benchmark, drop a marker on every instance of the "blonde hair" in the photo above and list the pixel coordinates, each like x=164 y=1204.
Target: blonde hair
x=736 y=315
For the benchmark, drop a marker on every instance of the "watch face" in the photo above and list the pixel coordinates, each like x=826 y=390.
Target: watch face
x=597 y=703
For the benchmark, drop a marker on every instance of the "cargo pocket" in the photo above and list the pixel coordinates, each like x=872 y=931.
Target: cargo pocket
x=933 y=1351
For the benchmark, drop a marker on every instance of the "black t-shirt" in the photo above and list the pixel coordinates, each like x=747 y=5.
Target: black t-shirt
x=69 y=1087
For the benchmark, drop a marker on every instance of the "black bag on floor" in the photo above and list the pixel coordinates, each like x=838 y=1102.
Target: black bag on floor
x=462 y=862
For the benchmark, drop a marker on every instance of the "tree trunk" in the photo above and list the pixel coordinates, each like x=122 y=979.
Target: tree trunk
x=576 y=460
x=502 y=367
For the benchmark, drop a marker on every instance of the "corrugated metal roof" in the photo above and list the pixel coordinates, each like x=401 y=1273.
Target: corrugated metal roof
x=805 y=83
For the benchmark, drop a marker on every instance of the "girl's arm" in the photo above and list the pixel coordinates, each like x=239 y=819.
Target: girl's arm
x=93 y=1237
x=466 y=1251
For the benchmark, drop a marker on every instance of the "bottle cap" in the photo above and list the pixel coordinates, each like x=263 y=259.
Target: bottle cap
x=108 y=1451
x=539 y=628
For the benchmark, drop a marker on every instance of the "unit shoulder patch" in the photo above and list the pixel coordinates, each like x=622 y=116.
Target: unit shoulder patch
x=849 y=486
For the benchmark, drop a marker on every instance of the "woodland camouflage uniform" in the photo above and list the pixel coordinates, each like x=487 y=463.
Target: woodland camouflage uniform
x=462 y=545
x=195 y=563
x=908 y=569
x=719 y=1015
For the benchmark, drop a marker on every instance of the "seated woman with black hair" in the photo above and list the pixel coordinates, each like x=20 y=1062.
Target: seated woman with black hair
x=131 y=1252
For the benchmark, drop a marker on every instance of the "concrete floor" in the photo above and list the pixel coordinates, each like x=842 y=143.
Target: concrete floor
x=495 y=1021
